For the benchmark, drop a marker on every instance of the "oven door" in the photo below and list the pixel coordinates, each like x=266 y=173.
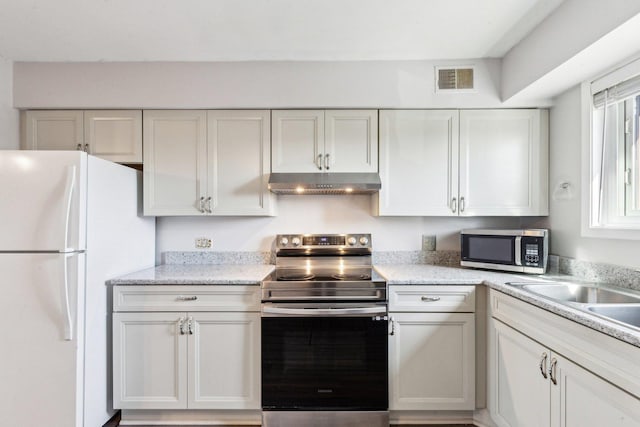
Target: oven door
x=324 y=357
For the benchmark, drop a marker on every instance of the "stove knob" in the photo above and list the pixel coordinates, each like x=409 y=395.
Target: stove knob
x=295 y=241
x=364 y=240
x=284 y=241
x=351 y=241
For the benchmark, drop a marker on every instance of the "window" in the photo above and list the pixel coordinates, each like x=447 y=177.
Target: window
x=615 y=154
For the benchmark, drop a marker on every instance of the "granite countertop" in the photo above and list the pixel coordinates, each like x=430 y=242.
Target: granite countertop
x=197 y=274
x=402 y=274
x=395 y=274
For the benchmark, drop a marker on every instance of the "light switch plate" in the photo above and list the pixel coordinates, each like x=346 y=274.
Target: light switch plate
x=203 y=242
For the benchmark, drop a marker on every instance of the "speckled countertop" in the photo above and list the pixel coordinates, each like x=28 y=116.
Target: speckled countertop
x=197 y=274
x=395 y=274
x=403 y=274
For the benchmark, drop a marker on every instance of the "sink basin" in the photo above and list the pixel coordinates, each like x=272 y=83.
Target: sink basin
x=627 y=314
x=582 y=294
x=617 y=305
x=577 y=293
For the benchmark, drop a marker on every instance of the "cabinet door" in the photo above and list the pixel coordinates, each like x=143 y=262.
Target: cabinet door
x=503 y=162
x=519 y=394
x=149 y=361
x=175 y=162
x=239 y=158
x=54 y=130
x=297 y=141
x=351 y=140
x=418 y=162
x=582 y=399
x=432 y=361
x=224 y=361
x=114 y=135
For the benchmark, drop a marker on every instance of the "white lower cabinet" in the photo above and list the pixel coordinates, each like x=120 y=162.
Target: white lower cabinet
x=431 y=352
x=149 y=361
x=532 y=385
x=224 y=361
x=186 y=360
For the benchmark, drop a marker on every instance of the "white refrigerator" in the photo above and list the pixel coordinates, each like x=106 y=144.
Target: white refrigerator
x=68 y=223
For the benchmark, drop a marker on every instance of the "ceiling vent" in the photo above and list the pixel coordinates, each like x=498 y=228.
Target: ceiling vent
x=454 y=79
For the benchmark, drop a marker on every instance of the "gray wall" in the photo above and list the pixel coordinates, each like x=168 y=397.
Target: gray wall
x=8 y=115
x=565 y=214
x=295 y=84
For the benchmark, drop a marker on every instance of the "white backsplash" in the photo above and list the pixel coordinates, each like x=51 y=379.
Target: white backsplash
x=317 y=214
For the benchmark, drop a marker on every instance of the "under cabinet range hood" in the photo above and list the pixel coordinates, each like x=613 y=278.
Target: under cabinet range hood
x=324 y=183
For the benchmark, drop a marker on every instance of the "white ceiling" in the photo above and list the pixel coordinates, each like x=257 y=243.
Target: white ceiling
x=240 y=30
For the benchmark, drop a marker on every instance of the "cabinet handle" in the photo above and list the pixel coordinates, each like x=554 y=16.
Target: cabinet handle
x=181 y=325
x=553 y=371
x=202 y=204
x=461 y=204
x=543 y=365
x=393 y=326
x=79 y=147
x=430 y=299
x=86 y=148
x=319 y=161
x=326 y=161
x=454 y=205
x=191 y=298
x=209 y=204
x=190 y=325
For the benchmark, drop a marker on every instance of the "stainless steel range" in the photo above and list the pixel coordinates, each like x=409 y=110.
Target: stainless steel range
x=324 y=334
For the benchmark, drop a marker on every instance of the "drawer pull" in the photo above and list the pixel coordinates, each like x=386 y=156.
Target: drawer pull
x=183 y=298
x=430 y=299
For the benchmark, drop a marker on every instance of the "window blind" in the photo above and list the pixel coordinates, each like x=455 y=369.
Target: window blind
x=618 y=92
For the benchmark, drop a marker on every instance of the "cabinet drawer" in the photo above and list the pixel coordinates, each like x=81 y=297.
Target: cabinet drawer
x=432 y=298
x=186 y=298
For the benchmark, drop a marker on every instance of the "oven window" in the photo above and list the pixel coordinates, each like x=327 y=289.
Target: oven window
x=324 y=363
x=494 y=249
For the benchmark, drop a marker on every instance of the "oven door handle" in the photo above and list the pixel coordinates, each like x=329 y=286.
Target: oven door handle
x=354 y=311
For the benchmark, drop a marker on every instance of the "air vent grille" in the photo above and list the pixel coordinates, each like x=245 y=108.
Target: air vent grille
x=455 y=78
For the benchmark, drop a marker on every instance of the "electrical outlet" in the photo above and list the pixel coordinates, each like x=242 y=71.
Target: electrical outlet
x=203 y=242
x=428 y=243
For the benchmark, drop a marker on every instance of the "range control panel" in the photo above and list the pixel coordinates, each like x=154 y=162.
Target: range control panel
x=293 y=241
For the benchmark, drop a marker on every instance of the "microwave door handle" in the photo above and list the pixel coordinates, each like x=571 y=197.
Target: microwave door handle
x=518 y=248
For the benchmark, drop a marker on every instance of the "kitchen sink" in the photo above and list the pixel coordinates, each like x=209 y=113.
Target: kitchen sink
x=582 y=294
x=627 y=314
x=618 y=305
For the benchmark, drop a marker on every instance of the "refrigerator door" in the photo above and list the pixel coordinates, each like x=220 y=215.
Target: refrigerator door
x=41 y=373
x=42 y=200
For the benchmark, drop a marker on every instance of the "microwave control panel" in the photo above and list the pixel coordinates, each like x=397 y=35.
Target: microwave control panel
x=532 y=248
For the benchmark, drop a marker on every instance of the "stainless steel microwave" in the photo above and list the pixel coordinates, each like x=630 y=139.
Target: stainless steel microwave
x=524 y=251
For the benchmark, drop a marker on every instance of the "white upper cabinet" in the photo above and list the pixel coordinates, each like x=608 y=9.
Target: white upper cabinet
x=503 y=162
x=175 y=162
x=307 y=141
x=238 y=161
x=206 y=163
x=418 y=162
x=298 y=140
x=54 y=130
x=351 y=140
x=114 y=135
x=463 y=163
